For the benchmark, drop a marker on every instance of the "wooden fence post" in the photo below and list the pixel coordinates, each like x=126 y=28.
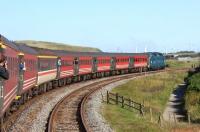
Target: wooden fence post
x=174 y=119
x=107 y=97
x=151 y=114
x=129 y=102
x=141 y=110
x=102 y=97
x=143 y=102
x=122 y=101
x=160 y=120
x=116 y=98
x=189 y=120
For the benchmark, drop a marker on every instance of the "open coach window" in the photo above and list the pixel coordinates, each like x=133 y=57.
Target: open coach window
x=76 y=61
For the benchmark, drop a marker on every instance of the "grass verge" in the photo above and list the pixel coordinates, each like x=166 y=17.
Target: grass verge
x=192 y=97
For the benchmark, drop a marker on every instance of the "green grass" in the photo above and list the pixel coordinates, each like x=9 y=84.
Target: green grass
x=181 y=64
x=154 y=90
x=123 y=120
x=57 y=46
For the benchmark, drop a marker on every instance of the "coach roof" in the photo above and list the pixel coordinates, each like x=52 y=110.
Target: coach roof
x=8 y=43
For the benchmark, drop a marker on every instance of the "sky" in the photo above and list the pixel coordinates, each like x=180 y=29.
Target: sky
x=110 y=25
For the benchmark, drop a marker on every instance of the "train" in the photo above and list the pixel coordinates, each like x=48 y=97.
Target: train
x=34 y=71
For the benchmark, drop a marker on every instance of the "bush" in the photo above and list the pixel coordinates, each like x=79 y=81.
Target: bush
x=194 y=82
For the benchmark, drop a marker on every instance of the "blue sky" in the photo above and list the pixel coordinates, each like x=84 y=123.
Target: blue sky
x=111 y=25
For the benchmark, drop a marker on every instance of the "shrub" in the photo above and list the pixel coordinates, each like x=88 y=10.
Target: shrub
x=194 y=82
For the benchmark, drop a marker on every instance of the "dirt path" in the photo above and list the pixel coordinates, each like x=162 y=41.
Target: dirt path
x=175 y=107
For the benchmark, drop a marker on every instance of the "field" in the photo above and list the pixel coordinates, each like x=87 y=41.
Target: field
x=57 y=46
x=153 y=90
x=181 y=64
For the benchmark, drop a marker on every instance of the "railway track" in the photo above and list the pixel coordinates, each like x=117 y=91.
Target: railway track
x=69 y=113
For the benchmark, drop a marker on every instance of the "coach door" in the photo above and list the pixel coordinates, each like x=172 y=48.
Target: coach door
x=113 y=63
x=1 y=81
x=131 y=61
x=76 y=66
x=58 y=66
x=94 y=64
x=21 y=73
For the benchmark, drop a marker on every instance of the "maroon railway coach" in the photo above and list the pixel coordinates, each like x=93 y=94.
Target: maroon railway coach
x=8 y=88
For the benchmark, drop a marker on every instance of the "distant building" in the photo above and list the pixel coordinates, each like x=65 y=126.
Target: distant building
x=184 y=58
